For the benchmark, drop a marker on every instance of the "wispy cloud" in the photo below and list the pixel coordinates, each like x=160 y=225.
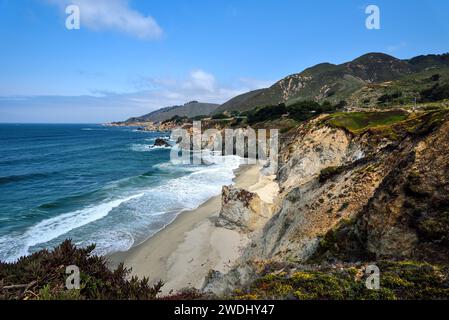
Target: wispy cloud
x=114 y=15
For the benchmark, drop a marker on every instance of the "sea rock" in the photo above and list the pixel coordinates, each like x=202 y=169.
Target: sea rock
x=161 y=143
x=241 y=209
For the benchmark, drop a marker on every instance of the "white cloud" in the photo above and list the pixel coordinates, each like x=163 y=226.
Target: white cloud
x=198 y=85
x=202 y=81
x=114 y=15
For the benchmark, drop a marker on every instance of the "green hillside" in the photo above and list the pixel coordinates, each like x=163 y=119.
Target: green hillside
x=190 y=109
x=348 y=81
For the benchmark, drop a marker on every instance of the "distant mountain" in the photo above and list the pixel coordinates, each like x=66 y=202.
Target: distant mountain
x=334 y=83
x=190 y=109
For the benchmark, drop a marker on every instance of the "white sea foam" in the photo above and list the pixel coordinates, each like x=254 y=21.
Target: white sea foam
x=109 y=241
x=52 y=228
x=140 y=147
x=137 y=217
x=160 y=147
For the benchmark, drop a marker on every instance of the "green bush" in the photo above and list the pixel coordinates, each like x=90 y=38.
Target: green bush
x=219 y=116
x=435 y=93
x=299 y=111
x=330 y=172
x=266 y=113
x=42 y=276
x=200 y=117
x=305 y=110
x=176 y=119
x=389 y=97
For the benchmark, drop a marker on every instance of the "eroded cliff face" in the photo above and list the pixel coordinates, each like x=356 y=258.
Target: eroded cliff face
x=313 y=149
x=308 y=206
x=381 y=193
x=408 y=217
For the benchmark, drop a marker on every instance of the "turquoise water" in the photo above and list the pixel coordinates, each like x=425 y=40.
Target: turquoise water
x=92 y=184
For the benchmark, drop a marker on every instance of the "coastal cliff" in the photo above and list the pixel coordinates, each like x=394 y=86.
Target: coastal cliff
x=355 y=189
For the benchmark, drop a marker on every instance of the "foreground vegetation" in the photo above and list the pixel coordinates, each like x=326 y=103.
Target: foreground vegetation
x=42 y=276
x=408 y=280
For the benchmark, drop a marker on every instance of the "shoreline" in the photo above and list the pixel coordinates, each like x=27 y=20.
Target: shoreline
x=184 y=251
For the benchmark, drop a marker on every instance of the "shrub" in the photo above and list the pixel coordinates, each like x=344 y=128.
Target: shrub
x=266 y=113
x=219 y=116
x=176 y=119
x=341 y=104
x=435 y=77
x=435 y=93
x=389 y=97
x=42 y=276
x=200 y=117
x=304 y=110
x=330 y=172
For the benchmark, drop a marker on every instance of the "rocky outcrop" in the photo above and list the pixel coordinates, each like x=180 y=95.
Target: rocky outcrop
x=161 y=143
x=221 y=284
x=242 y=209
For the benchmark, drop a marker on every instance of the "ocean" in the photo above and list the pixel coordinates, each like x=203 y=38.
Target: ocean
x=94 y=185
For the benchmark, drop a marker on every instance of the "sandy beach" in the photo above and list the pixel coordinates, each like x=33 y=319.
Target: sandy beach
x=183 y=253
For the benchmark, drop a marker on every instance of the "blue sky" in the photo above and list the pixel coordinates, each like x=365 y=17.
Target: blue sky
x=131 y=57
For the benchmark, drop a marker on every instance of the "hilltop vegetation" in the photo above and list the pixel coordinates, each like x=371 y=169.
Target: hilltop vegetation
x=359 y=82
x=427 y=86
x=374 y=80
x=299 y=111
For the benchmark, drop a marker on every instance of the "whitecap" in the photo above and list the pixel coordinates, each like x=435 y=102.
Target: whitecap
x=12 y=248
x=140 y=147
